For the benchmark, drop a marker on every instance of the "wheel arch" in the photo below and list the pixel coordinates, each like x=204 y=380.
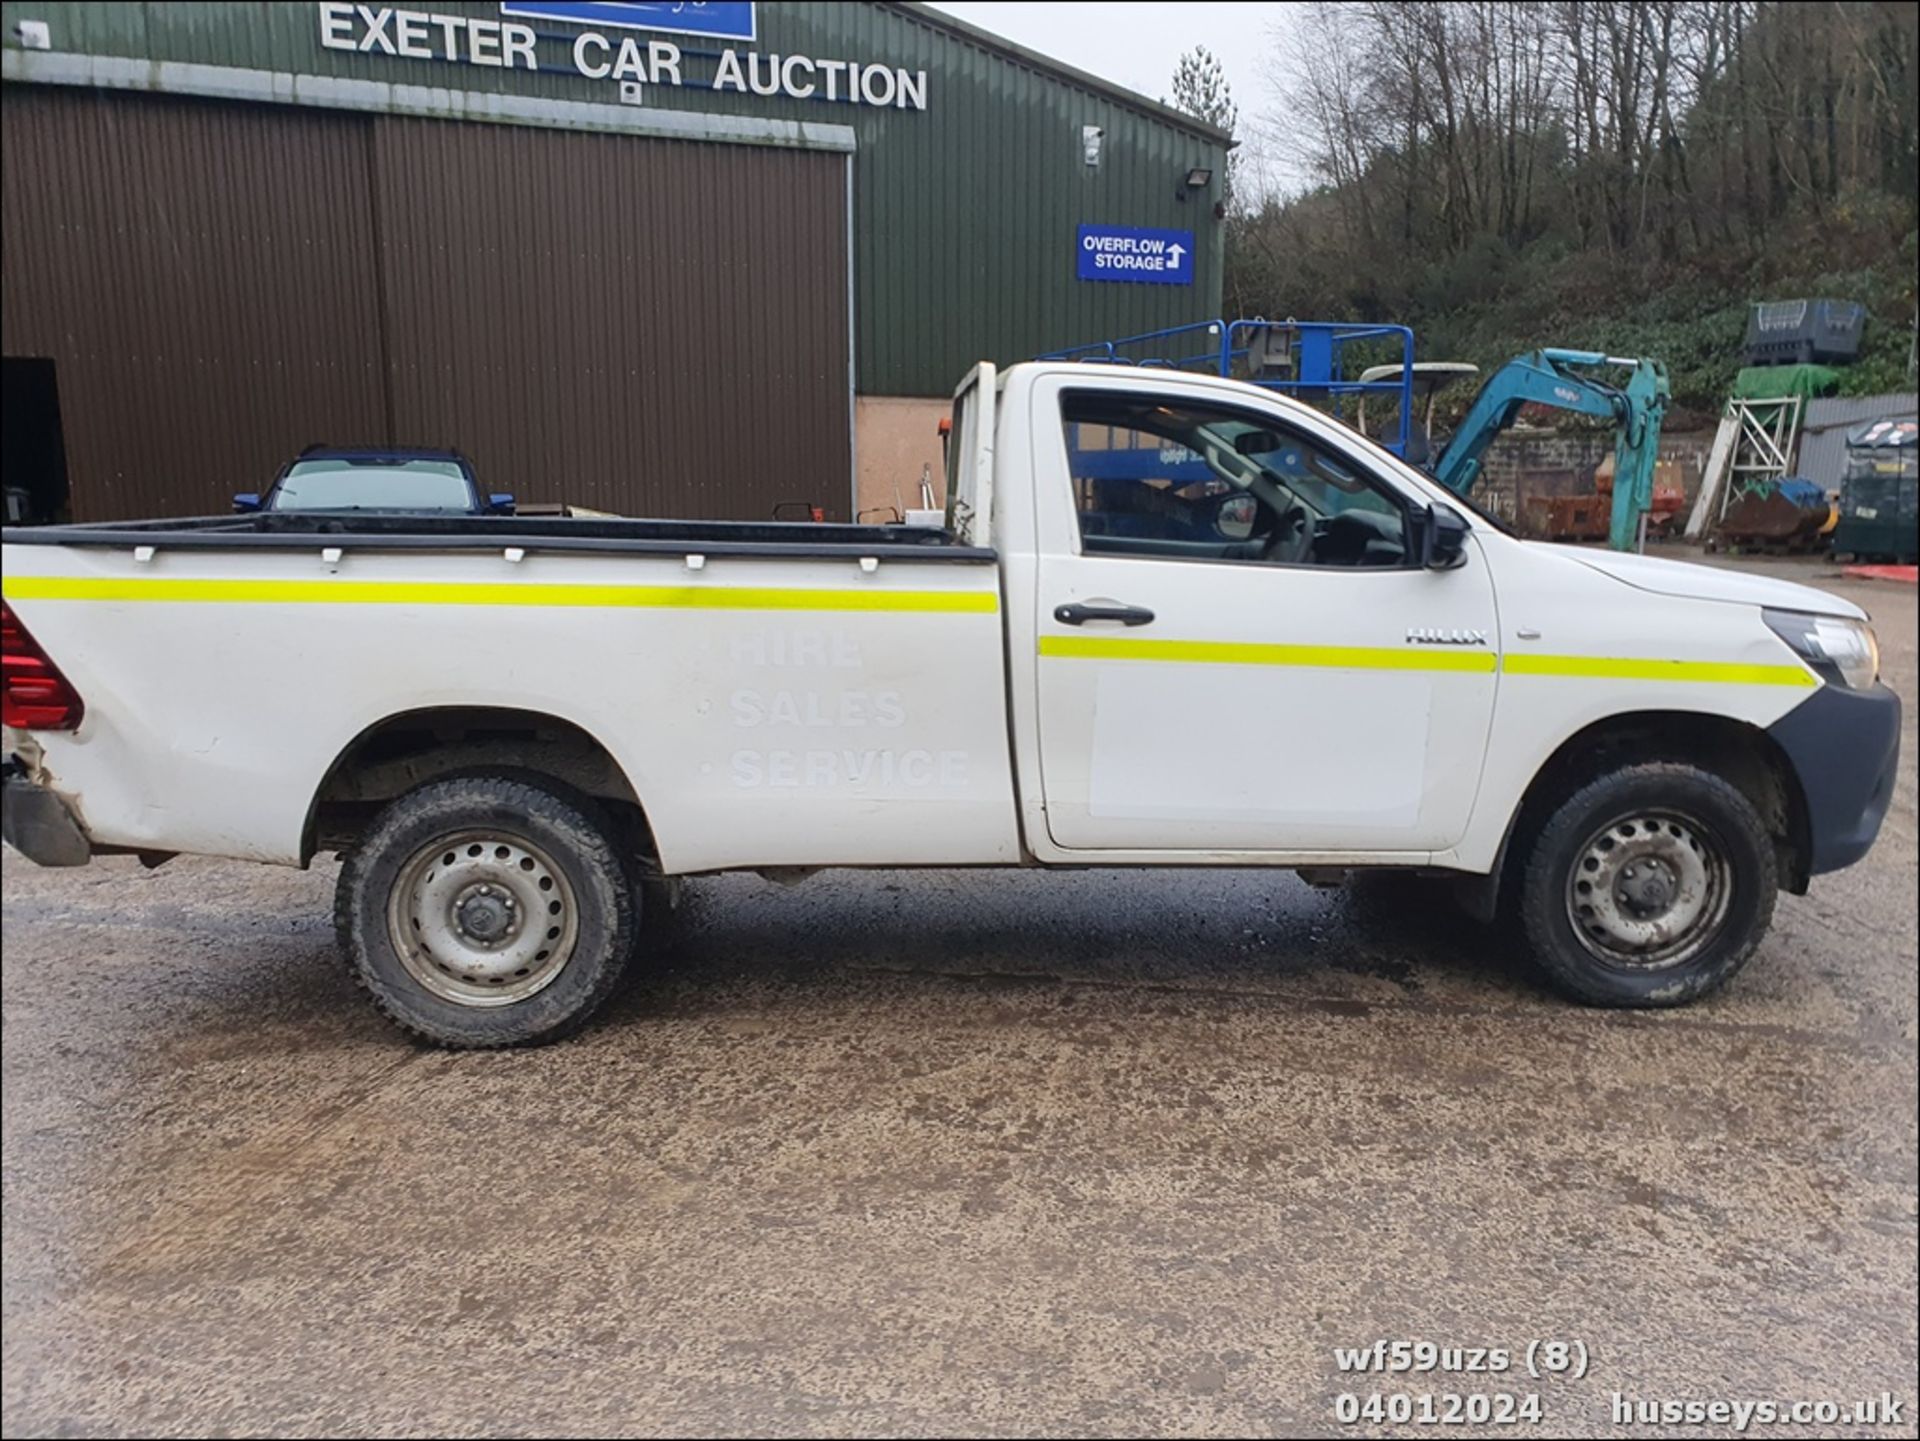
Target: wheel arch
x=1740 y=753
x=398 y=752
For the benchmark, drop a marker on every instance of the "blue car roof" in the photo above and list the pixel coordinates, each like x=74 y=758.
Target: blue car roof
x=382 y=452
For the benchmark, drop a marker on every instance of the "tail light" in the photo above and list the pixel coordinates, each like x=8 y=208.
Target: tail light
x=34 y=696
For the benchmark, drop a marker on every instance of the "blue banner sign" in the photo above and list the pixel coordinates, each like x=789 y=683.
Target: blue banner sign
x=1137 y=254
x=717 y=19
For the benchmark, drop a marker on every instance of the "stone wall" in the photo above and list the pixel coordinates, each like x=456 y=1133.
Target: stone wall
x=1523 y=463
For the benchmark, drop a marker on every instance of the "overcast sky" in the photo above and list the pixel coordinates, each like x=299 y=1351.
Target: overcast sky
x=1138 y=45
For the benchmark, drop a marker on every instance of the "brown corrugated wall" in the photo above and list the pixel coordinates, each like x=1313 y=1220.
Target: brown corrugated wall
x=650 y=326
x=646 y=326
x=201 y=276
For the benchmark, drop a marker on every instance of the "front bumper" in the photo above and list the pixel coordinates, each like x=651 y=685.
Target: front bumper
x=1845 y=748
x=38 y=822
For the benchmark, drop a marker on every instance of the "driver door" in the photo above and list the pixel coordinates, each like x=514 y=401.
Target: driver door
x=1206 y=682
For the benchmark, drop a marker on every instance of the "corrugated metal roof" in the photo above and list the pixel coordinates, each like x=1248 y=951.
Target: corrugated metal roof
x=1823 y=431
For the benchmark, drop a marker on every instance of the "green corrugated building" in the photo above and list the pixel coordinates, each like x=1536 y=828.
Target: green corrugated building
x=671 y=258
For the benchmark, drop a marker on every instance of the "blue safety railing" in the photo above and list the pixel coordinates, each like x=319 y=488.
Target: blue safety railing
x=1315 y=351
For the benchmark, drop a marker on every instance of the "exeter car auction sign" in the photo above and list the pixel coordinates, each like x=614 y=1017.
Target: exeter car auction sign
x=631 y=62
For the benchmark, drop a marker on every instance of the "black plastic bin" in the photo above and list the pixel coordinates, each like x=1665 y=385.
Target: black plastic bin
x=1805 y=332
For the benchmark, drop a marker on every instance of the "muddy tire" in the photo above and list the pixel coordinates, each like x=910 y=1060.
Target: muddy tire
x=487 y=911
x=1648 y=886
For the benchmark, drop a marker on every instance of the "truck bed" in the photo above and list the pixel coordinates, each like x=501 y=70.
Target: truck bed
x=283 y=530
x=770 y=694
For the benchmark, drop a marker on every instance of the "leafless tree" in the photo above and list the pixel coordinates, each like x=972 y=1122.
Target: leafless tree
x=1635 y=127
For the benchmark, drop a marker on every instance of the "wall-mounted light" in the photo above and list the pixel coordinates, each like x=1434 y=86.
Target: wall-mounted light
x=1198 y=178
x=1090 y=138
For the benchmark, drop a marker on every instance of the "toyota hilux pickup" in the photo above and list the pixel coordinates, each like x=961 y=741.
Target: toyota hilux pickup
x=1170 y=621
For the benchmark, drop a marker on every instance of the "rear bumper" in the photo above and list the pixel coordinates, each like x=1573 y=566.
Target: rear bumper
x=39 y=823
x=1845 y=748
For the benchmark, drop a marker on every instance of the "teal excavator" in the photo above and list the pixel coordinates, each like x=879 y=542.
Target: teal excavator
x=1561 y=379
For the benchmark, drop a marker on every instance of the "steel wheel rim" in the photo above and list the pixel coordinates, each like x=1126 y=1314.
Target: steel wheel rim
x=1649 y=891
x=482 y=918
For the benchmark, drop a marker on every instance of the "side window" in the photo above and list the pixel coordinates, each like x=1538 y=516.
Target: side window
x=1134 y=482
x=1163 y=478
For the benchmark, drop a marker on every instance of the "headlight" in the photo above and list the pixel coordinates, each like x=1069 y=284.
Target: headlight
x=1839 y=650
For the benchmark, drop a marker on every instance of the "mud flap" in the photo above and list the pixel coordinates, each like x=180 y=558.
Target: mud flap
x=36 y=822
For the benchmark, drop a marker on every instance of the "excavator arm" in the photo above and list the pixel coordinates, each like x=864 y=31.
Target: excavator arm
x=1555 y=378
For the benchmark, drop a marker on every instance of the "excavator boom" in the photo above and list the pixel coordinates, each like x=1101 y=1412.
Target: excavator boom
x=1557 y=378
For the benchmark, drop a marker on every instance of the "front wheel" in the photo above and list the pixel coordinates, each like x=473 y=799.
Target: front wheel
x=483 y=911
x=1648 y=886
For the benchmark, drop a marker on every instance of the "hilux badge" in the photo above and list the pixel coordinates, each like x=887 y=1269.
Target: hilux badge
x=1423 y=636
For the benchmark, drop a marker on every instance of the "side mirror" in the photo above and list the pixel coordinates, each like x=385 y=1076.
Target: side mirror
x=500 y=503
x=1446 y=533
x=1257 y=442
x=245 y=501
x=1234 y=516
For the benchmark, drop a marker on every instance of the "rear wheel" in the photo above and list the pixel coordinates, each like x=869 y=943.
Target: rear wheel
x=1648 y=886
x=487 y=911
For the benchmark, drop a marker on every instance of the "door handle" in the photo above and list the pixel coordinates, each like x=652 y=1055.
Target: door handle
x=1077 y=614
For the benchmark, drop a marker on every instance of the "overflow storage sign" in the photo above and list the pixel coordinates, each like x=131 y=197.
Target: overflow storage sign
x=1137 y=254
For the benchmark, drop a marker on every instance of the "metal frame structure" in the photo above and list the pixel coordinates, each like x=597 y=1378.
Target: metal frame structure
x=1313 y=349
x=1763 y=445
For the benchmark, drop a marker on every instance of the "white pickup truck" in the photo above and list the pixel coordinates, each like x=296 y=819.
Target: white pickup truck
x=1171 y=621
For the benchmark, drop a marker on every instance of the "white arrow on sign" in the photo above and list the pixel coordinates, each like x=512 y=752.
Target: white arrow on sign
x=1176 y=251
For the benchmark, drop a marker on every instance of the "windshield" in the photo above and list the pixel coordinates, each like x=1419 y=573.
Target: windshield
x=389 y=483
x=1419 y=481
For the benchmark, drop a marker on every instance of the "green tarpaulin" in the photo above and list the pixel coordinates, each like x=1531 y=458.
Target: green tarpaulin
x=1777 y=382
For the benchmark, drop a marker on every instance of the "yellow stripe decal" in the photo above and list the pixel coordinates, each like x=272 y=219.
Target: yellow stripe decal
x=401 y=592
x=715 y=597
x=1702 y=672
x=1348 y=657
x=1339 y=657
